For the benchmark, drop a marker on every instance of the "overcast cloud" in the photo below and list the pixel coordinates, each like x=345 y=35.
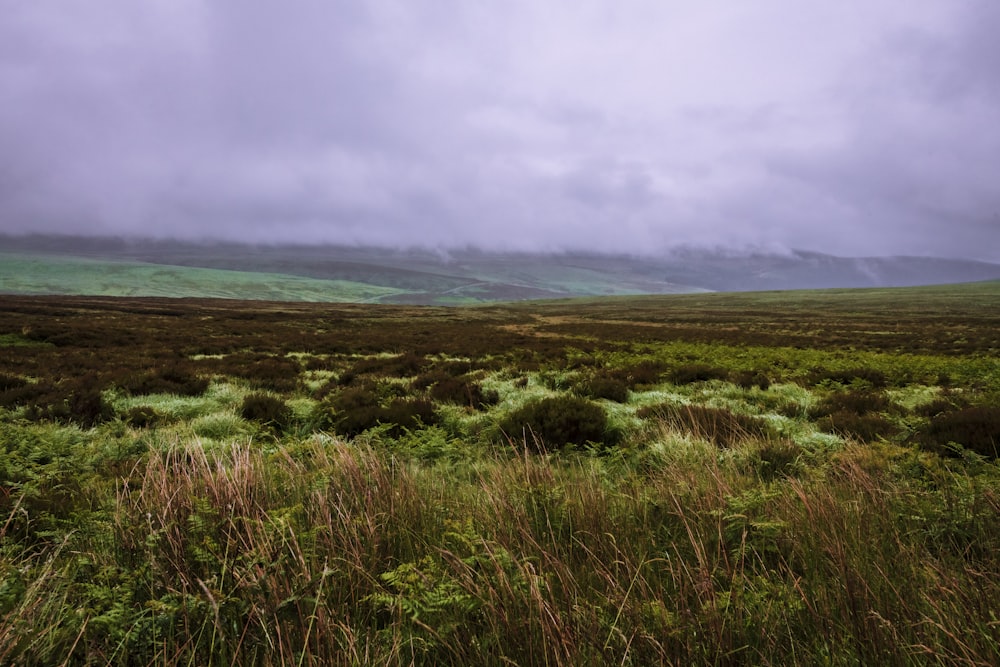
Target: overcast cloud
x=854 y=127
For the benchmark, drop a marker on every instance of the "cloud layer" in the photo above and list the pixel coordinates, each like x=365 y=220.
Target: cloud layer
x=852 y=128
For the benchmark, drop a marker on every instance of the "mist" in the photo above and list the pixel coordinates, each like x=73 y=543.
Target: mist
x=854 y=129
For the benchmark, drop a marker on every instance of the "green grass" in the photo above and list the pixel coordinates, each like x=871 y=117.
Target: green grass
x=20 y=274
x=723 y=524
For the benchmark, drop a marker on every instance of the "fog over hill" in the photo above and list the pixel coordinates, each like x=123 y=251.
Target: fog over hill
x=418 y=275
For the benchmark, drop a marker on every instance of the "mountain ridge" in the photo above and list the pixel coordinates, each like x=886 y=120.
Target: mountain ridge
x=470 y=275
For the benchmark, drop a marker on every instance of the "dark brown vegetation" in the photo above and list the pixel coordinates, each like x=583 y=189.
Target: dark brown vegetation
x=558 y=421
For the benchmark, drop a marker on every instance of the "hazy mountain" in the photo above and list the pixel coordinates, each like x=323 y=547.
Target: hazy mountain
x=424 y=276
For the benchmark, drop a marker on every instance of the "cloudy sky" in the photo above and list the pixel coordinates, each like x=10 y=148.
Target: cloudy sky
x=856 y=127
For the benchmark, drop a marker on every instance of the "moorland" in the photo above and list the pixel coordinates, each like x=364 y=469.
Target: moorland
x=764 y=478
x=38 y=264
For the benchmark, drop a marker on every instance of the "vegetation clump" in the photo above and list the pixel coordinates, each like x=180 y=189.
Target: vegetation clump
x=600 y=386
x=268 y=410
x=940 y=405
x=751 y=379
x=268 y=372
x=856 y=414
x=976 y=429
x=463 y=391
x=558 y=421
x=8 y=382
x=642 y=374
x=171 y=379
x=355 y=410
x=143 y=416
x=861 y=402
x=691 y=373
x=720 y=426
x=869 y=377
x=863 y=427
x=403 y=365
x=78 y=401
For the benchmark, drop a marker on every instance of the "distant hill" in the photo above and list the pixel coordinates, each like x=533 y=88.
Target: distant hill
x=87 y=265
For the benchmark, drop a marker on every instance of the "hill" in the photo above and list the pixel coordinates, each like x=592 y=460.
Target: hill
x=131 y=267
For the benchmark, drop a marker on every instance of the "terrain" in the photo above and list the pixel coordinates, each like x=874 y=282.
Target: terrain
x=137 y=267
x=766 y=478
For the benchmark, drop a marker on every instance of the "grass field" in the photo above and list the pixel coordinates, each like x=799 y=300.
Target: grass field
x=770 y=478
x=41 y=274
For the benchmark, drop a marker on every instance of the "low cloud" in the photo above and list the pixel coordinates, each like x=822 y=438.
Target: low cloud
x=856 y=128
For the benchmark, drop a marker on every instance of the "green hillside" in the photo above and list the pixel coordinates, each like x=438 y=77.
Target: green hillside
x=41 y=274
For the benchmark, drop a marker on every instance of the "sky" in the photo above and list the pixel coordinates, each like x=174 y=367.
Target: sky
x=858 y=127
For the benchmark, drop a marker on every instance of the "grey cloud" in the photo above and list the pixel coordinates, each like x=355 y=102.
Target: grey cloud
x=868 y=128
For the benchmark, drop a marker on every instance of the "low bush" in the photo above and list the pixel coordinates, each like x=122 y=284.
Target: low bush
x=407 y=414
x=751 y=379
x=866 y=376
x=174 y=379
x=274 y=373
x=610 y=388
x=8 y=382
x=720 y=426
x=775 y=458
x=403 y=365
x=143 y=416
x=357 y=409
x=267 y=410
x=940 y=405
x=975 y=428
x=558 y=421
x=88 y=408
x=80 y=402
x=691 y=373
x=463 y=391
x=25 y=394
x=862 y=427
x=861 y=402
x=643 y=374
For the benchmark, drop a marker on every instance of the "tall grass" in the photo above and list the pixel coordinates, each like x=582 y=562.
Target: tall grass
x=319 y=552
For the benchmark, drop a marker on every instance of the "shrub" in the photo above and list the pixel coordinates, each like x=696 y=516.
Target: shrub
x=868 y=376
x=610 y=388
x=173 y=379
x=25 y=394
x=403 y=365
x=407 y=414
x=267 y=410
x=80 y=402
x=852 y=402
x=718 y=425
x=863 y=427
x=463 y=391
x=975 y=428
x=642 y=374
x=143 y=416
x=88 y=408
x=750 y=379
x=430 y=378
x=691 y=373
x=558 y=421
x=939 y=406
x=277 y=374
x=776 y=458
x=358 y=409
x=8 y=382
